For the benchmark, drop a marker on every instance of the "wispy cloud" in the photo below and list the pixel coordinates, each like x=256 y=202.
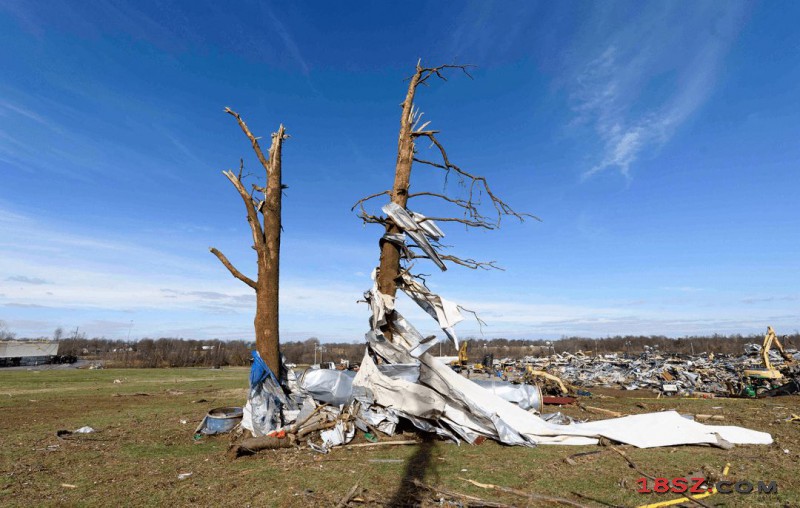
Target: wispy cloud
x=27 y=280
x=9 y=109
x=682 y=289
x=645 y=81
x=288 y=42
x=770 y=299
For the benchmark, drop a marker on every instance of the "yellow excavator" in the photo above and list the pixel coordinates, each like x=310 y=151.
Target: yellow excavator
x=769 y=381
x=461 y=363
x=769 y=372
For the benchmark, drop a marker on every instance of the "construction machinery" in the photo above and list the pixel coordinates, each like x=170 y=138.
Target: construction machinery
x=461 y=363
x=769 y=372
x=486 y=366
x=769 y=381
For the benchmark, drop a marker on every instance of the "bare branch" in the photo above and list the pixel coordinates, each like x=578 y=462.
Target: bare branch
x=253 y=140
x=470 y=223
x=372 y=219
x=372 y=196
x=236 y=273
x=467 y=262
x=481 y=322
x=252 y=215
x=471 y=263
x=427 y=72
x=476 y=184
x=469 y=208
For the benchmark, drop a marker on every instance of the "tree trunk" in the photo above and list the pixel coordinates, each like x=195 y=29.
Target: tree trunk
x=267 y=308
x=389 y=269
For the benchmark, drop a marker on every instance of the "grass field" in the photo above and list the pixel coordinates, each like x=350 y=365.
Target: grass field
x=142 y=444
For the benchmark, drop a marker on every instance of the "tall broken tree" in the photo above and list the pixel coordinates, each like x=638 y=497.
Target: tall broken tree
x=263 y=205
x=401 y=223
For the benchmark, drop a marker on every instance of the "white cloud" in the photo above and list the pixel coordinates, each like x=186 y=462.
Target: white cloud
x=70 y=274
x=650 y=77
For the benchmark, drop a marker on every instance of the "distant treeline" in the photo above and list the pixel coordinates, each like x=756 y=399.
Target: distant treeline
x=170 y=352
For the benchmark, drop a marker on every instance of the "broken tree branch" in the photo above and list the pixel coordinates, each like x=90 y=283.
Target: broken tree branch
x=236 y=273
x=469 y=207
x=372 y=196
x=469 y=263
x=469 y=501
x=347 y=497
x=533 y=497
x=426 y=72
x=252 y=215
x=253 y=140
x=500 y=206
x=467 y=222
x=631 y=462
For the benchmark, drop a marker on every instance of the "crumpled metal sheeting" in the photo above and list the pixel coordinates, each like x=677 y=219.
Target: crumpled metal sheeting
x=524 y=395
x=417 y=232
x=341 y=433
x=416 y=402
x=403 y=332
x=329 y=386
x=445 y=312
x=370 y=385
x=444 y=398
x=385 y=420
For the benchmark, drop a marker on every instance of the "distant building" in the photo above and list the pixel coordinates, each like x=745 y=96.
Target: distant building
x=15 y=353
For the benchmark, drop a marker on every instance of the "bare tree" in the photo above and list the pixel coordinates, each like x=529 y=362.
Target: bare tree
x=469 y=205
x=263 y=206
x=5 y=333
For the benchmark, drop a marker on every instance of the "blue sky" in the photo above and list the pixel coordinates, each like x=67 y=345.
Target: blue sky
x=658 y=142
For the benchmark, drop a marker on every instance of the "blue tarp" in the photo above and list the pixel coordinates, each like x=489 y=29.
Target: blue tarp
x=259 y=372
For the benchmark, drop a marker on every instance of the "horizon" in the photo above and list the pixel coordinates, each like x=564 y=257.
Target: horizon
x=657 y=142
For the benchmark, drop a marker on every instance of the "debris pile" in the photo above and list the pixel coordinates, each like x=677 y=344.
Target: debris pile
x=682 y=374
x=399 y=379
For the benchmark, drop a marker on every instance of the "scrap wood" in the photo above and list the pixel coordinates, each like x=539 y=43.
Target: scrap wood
x=631 y=462
x=600 y=410
x=317 y=426
x=252 y=445
x=571 y=459
x=469 y=501
x=532 y=497
x=379 y=443
x=347 y=497
x=709 y=417
x=595 y=500
x=293 y=428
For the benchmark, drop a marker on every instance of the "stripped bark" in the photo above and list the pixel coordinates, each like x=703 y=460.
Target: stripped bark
x=264 y=218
